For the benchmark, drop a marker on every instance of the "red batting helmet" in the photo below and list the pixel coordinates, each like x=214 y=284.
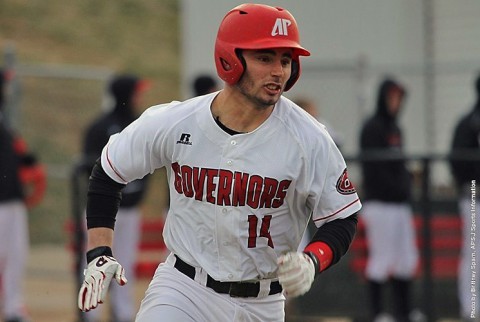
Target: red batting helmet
x=256 y=26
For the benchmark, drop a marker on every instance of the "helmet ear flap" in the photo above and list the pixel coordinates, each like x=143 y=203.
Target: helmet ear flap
x=229 y=66
x=295 y=74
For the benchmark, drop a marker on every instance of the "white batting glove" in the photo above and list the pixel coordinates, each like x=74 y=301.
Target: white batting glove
x=98 y=275
x=296 y=273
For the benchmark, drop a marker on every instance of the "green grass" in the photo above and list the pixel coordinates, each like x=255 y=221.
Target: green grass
x=139 y=36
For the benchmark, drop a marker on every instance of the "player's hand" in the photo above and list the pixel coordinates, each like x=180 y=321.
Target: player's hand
x=98 y=275
x=296 y=273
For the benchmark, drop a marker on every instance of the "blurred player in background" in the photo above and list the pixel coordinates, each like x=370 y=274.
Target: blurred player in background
x=466 y=141
x=125 y=92
x=204 y=84
x=309 y=105
x=247 y=170
x=387 y=213
x=22 y=185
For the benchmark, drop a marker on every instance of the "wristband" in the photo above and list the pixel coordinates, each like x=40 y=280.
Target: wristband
x=98 y=251
x=321 y=254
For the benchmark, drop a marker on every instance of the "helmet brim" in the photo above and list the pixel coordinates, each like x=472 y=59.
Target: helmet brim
x=298 y=50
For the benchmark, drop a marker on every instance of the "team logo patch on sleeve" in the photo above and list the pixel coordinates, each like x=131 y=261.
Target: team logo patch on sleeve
x=344 y=185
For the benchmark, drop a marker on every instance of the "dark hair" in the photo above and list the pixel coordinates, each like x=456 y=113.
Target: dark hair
x=204 y=84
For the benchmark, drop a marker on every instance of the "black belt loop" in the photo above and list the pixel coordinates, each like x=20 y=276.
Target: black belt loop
x=234 y=289
x=185 y=268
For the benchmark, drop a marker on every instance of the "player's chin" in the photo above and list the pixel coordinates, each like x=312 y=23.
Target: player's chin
x=269 y=100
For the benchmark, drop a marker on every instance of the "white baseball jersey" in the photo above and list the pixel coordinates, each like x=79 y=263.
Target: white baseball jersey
x=237 y=202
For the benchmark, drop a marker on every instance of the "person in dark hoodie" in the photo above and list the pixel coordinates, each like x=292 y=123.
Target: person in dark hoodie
x=126 y=92
x=465 y=144
x=387 y=214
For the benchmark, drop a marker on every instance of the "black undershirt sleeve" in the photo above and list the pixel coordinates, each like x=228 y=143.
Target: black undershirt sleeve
x=338 y=234
x=103 y=198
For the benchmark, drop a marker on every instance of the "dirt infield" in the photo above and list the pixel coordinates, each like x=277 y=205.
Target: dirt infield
x=49 y=285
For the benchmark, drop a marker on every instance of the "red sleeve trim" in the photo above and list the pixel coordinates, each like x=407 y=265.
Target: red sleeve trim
x=322 y=252
x=113 y=168
x=336 y=212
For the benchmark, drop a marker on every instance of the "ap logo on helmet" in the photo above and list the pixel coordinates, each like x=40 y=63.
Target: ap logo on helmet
x=281 y=27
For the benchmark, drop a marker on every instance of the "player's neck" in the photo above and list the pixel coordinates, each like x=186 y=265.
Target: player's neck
x=238 y=114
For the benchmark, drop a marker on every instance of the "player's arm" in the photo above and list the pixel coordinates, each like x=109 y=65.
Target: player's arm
x=331 y=241
x=98 y=237
x=297 y=270
x=103 y=201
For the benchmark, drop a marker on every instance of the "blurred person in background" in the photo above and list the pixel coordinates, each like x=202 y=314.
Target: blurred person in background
x=22 y=185
x=204 y=84
x=309 y=105
x=466 y=141
x=125 y=92
x=387 y=213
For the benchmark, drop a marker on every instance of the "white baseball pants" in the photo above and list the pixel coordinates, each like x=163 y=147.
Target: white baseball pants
x=391 y=240
x=172 y=296
x=14 y=246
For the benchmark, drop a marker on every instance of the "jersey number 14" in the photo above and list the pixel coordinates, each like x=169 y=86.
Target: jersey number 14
x=264 y=230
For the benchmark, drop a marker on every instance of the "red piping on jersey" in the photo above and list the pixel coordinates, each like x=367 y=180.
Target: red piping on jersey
x=336 y=212
x=113 y=168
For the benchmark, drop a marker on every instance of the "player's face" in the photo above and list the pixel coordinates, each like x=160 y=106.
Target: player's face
x=394 y=102
x=266 y=74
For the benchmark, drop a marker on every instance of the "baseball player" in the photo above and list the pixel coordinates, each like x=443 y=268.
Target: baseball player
x=387 y=214
x=22 y=182
x=247 y=169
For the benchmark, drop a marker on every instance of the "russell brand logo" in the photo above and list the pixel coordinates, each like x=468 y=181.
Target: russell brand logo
x=281 y=27
x=184 y=139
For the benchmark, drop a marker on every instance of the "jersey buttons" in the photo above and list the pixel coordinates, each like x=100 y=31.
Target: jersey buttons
x=224 y=210
x=233 y=142
x=229 y=162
